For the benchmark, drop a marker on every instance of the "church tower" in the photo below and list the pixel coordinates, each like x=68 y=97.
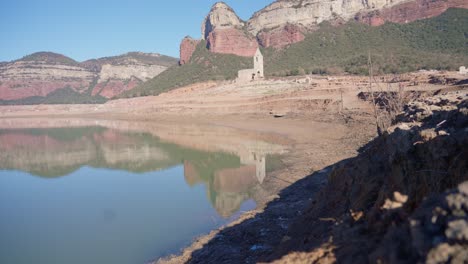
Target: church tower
x=258 y=64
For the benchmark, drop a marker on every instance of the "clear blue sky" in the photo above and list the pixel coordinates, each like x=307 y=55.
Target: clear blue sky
x=85 y=29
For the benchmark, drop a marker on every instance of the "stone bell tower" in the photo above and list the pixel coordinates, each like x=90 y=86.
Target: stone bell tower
x=258 y=64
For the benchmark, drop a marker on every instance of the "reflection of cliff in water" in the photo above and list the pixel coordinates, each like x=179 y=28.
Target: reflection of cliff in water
x=56 y=152
x=228 y=186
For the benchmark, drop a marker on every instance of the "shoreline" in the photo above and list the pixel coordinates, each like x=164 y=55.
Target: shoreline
x=321 y=130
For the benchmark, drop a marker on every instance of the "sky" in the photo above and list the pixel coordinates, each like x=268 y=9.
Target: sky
x=86 y=29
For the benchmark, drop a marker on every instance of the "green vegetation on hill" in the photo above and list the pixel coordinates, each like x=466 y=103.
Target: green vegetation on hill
x=50 y=58
x=436 y=43
x=62 y=96
x=203 y=66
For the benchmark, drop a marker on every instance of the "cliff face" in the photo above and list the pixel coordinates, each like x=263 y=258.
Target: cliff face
x=309 y=13
x=224 y=32
x=187 y=47
x=232 y=41
x=409 y=11
x=221 y=16
x=281 y=37
x=21 y=79
x=285 y=22
x=42 y=73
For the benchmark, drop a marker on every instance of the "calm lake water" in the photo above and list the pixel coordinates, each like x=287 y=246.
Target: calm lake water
x=97 y=195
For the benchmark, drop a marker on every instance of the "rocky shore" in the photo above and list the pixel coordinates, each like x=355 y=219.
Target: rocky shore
x=402 y=199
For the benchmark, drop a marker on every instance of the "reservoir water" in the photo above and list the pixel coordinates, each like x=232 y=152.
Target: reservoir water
x=100 y=195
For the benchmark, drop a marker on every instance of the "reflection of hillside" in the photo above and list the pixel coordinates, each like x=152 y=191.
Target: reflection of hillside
x=231 y=165
x=227 y=187
x=117 y=148
x=43 y=155
x=57 y=152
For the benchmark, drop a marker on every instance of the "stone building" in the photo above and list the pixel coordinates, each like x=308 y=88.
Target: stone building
x=463 y=70
x=256 y=73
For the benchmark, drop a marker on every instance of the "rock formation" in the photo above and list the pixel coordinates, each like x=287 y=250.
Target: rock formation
x=285 y=22
x=232 y=41
x=187 y=48
x=24 y=78
x=42 y=73
x=223 y=31
x=221 y=16
x=409 y=11
x=281 y=37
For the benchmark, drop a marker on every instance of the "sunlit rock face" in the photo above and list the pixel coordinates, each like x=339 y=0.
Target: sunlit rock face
x=187 y=48
x=221 y=16
x=285 y=22
x=26 y=78
x=224 y=32
x=42 y=73
x=281 y=37
x=409 y=11
x=309 y=13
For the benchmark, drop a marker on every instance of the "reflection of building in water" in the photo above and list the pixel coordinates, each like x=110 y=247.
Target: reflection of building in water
x=229 y=187
x=259 y=161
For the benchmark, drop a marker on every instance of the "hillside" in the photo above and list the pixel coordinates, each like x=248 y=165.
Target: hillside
x=435 y=43
x=51 y=78
x=203 y=66
x=49 y=58
x=131 y=58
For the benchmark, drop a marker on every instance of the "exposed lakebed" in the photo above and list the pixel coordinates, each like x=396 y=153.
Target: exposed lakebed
x=101 y=195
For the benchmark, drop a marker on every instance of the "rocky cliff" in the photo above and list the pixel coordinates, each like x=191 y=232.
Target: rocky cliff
x=224 y=32
x=409 y=11
x=187 y=47
x=285 y=22
x=42 y=73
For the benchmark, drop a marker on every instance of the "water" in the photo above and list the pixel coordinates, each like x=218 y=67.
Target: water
x=97 y=195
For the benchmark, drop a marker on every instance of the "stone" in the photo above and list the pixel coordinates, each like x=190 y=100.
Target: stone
x=463 y=70
x=457 y=230
x=428 y=134
x=463 y=188
x=443 y=133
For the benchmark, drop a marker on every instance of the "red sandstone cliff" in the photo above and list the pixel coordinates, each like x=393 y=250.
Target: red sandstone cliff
x=285 y=22
x=281 y=37
x=224 y=32
x=187 y=48
x=409 y=11
x=232 y=41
